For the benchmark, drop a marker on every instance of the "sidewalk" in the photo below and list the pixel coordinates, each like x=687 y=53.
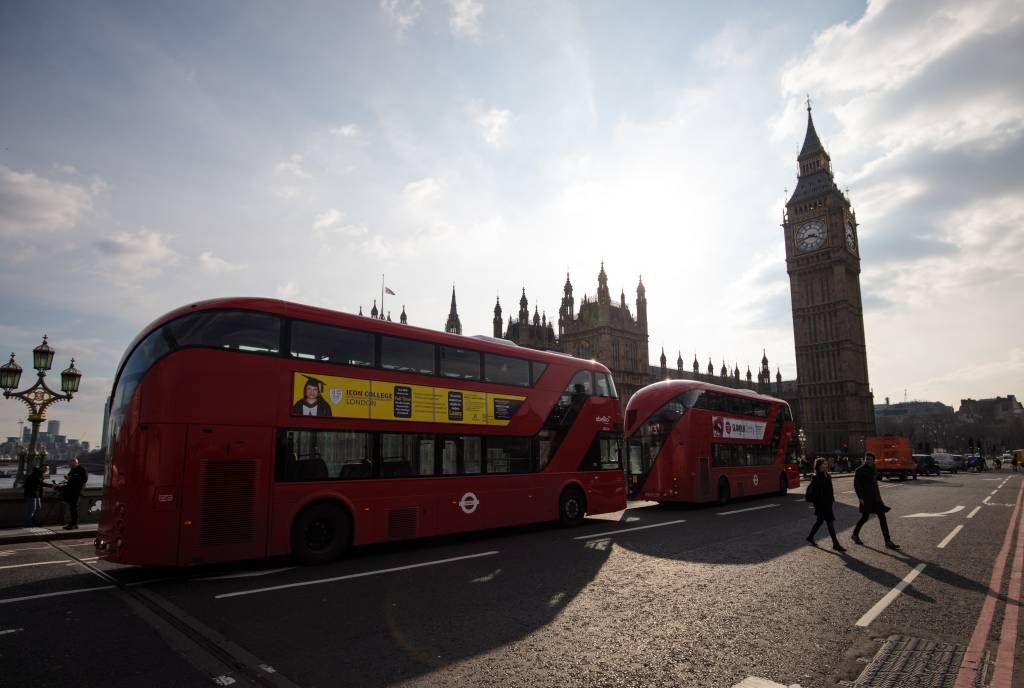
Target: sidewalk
x=12 y=536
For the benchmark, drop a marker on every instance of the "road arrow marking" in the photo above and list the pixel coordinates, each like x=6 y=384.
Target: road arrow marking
x=941 y=513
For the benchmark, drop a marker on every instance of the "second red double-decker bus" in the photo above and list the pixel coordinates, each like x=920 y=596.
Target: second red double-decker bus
x=698 y=442
x=244 y=428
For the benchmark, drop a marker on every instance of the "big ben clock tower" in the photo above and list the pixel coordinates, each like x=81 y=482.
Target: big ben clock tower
x=836 y=409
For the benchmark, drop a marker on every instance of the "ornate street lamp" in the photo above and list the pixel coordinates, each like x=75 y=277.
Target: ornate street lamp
x=39 y=396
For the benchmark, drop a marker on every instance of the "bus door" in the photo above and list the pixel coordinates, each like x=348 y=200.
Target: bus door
x=224 y=495
x=704 y=478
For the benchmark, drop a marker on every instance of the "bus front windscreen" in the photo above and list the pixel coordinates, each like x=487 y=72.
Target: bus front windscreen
x=646 y=443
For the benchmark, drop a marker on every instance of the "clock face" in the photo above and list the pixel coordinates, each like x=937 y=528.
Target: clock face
x=811 y=235
x=851 y=237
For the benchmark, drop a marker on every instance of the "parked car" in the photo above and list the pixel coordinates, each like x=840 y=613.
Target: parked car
x=926 y=465
x=950 y=463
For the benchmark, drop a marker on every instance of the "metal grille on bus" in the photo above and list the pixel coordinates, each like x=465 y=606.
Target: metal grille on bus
x=403 y=522
x=228 y=503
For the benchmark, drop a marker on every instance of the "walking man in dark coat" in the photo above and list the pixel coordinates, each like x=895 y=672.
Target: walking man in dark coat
x=865 y=483
x=72 y=490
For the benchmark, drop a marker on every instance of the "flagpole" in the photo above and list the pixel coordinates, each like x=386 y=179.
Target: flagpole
x=382 y=296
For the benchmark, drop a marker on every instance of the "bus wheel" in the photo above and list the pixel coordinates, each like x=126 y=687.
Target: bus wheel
x=572 y=505
x=723 y=491
x=321 y=533
x=783 y=485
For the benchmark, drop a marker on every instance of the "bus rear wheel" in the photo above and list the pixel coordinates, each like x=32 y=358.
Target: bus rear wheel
x=723 y=491
x=321 y=533
x=572 y=505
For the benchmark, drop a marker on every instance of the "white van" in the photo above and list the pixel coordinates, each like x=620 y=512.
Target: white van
x=948 y=462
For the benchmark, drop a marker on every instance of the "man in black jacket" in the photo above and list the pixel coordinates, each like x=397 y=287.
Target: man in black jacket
x=865 y=482
x=75 y=481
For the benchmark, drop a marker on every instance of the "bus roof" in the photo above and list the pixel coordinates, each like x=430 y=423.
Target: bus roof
x=359 y=322
x=659 y=392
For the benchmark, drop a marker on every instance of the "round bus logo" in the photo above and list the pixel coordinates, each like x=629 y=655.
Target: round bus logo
x=755 y=480
x=469 y=503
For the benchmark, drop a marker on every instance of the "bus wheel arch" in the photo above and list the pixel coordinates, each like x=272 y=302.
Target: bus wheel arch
x=723 y=491
x=321 y=532
x=572 y=505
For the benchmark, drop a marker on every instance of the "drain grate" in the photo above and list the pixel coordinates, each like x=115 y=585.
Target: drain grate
x=905 y=662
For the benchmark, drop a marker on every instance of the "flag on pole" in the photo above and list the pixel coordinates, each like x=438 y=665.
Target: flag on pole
x=387 y=290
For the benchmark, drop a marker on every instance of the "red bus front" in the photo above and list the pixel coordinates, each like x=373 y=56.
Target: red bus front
x=698 y=442
x=244 y=428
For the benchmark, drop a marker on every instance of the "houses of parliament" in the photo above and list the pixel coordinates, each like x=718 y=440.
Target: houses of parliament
x=830 y=397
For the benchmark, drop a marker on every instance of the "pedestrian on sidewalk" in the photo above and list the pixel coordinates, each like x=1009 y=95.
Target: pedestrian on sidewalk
x=865 y=483
x=822 y=496
x=72 y=490
x=34 y=494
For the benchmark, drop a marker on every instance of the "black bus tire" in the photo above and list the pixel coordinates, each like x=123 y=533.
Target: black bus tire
x=321 y=533
x=723 y=491
x=783 y=485
x=572 y=506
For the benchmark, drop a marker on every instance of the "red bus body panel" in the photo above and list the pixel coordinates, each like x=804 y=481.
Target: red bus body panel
x=203 y=418
x=683 y=470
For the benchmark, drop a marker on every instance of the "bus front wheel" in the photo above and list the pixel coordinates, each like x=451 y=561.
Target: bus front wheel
x=572 y=505
x=321 y=533
x=723 y=492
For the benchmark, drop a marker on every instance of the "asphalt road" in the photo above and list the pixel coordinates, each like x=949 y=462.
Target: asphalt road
x=653 y=596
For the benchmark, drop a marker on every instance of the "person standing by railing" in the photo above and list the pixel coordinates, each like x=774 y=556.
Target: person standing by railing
x=72 y=490
x=34 y=494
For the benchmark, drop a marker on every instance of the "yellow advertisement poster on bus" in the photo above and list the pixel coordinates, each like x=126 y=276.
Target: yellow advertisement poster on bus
x=346 y=397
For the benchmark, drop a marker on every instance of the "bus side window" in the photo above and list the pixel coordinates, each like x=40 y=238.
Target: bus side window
x=406 y=454
x=462 y=364
x=506 y=370
x=331 y=344
x=509 y=454
x=602 y=385
x=406 y=355
x=239 y=330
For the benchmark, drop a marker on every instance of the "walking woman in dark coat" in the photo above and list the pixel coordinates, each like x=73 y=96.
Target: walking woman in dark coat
x=822 y=497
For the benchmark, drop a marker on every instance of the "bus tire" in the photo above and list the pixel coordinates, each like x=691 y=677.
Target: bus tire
x=723 y=491
x=783 y=485
x=321 y=533
x=572 y=505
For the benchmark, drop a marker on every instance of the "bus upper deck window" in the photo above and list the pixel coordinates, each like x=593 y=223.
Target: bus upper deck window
x=406 y=355
x=581 y=383
x=506 y=370
x=331 y=344
x=462 y=364
x=239 y=330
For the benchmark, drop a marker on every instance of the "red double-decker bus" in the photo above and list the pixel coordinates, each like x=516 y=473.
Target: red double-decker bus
x=698 y=442
x=243 y=428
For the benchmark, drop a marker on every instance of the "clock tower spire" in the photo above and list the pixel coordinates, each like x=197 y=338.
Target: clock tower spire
x=836 y=409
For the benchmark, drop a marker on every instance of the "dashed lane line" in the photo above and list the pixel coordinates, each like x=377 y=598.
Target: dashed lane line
x=740 y=511
x=880 y=606
x=946 y=540
x=76 y=591
x=974 y=511
x=36 y=563
x=350 y=576
x=626 y=530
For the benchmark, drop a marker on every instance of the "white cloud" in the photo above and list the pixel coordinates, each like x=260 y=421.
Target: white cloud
x=34 y=204
x=136 y=252
x=329 y=223
x=423 y=190
x=494 y=124
x=327 y=219
x=292 y=166
x=465 y=17
x=212 y=264
x=402 y=13
x=346 y=131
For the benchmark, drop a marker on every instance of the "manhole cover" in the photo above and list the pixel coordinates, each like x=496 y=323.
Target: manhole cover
x=905 y=662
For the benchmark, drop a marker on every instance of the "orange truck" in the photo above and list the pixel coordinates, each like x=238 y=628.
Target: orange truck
x=893 y=456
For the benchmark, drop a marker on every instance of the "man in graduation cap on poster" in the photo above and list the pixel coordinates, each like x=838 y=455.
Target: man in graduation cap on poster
x=312 y=403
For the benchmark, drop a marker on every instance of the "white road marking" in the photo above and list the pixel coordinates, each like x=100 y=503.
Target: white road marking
x=245 y=574
x=36 y=563
x=11 y=630
x=974 y=511
x=993 y=492
x=626 y=530
x=353 y=575
x=890 y=596
x=945 y=540
x=940 y=513
x=55 y=594
x=9 y=552
x=740 y=511
x=849 y=491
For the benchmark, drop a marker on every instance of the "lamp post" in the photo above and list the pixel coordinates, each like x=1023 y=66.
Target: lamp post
x=39 y=396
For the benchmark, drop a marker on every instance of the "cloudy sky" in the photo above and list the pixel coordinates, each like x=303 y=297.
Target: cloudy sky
x=155 y=155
